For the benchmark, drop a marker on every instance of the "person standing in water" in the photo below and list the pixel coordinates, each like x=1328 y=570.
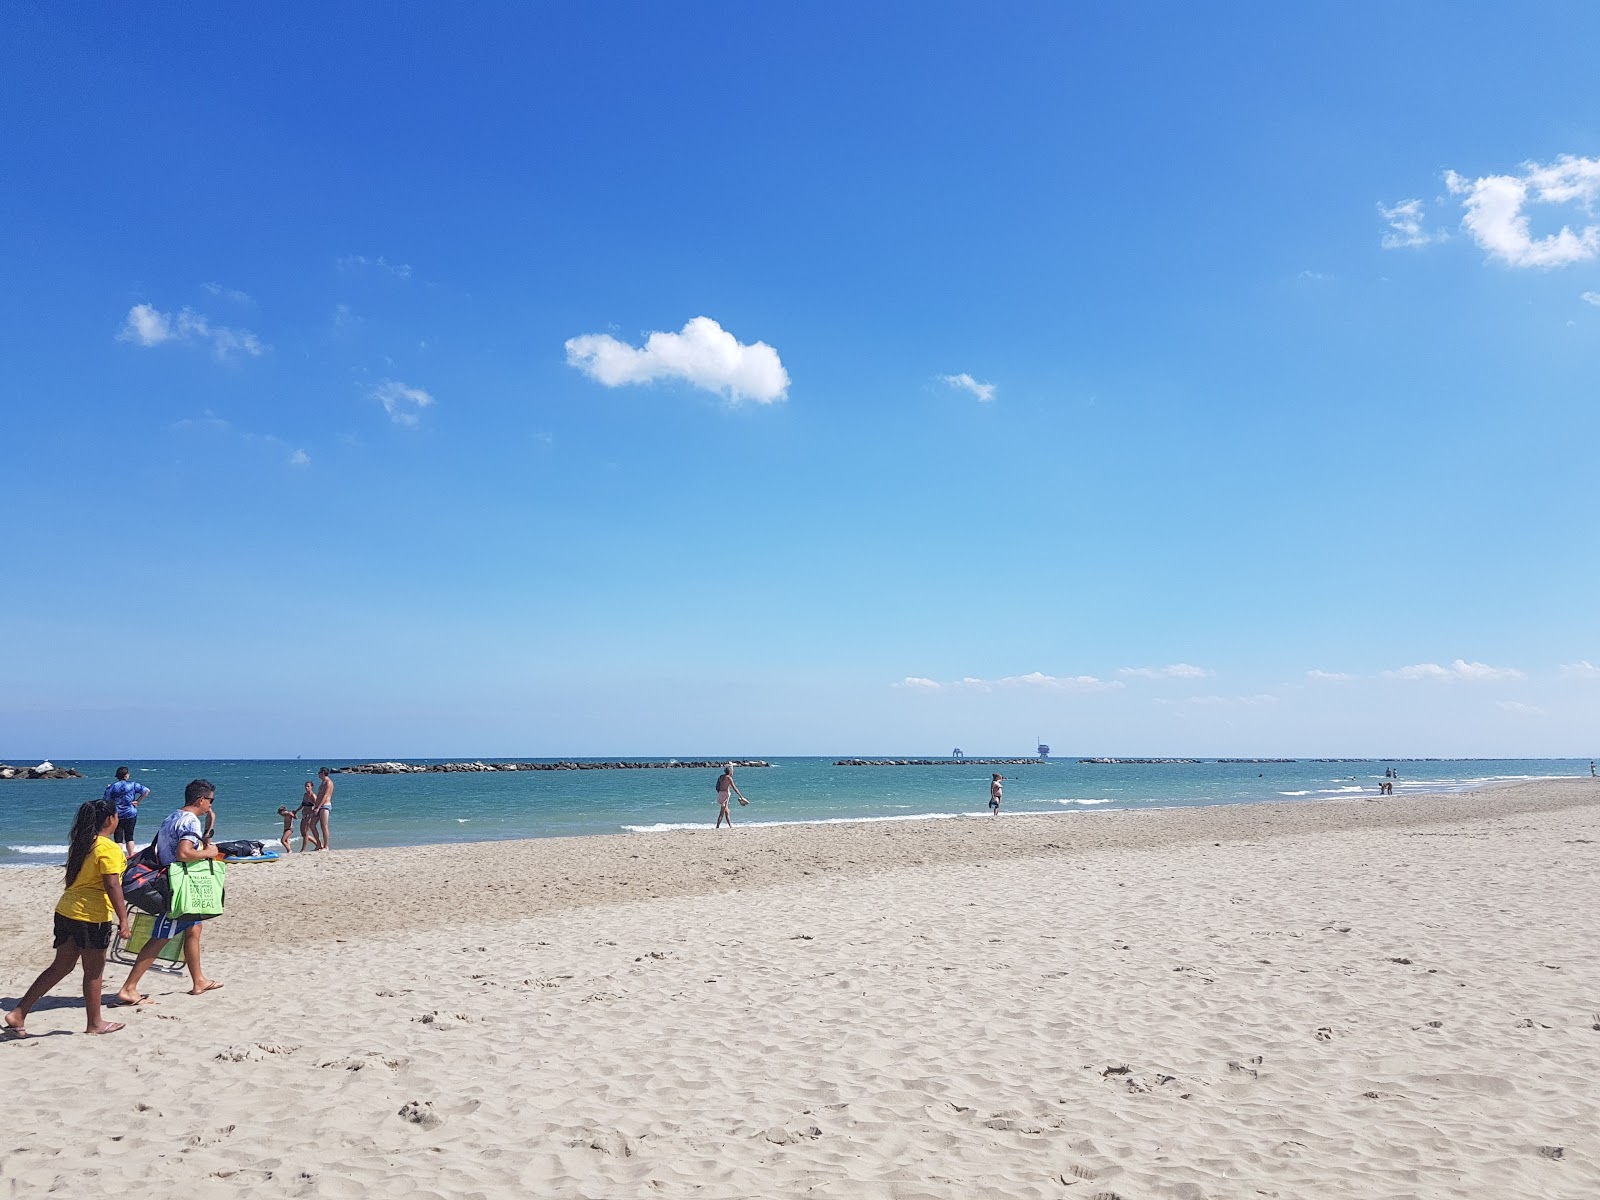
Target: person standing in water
x=126 y=794
x=725 y=786
x=324 y=814
x=994 y=793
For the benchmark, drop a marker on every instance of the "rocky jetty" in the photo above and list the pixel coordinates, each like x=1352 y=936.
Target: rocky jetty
x=937 y=762
x=1257 y=760
x=400 y=768
x=44 y=770
x=1141 y=762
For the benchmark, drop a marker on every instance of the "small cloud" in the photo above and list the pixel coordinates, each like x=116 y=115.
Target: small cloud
x=704 y=355
x=1497 y=222
x=1311 y=277
x=299 y=459
x=1517 y=706
x=1330 y=676
x=1591 y=298
x=1175 y=671
x=146 y=325
x=228 y=293
x=1458 y=671
x=360 y=262
x=917 y=682
x=983 y=391
x=1231 y=701
x=1405 y=226
x=1582 y=669
x=403 y=404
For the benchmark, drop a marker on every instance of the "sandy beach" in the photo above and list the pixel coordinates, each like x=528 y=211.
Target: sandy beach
x=1339 y=999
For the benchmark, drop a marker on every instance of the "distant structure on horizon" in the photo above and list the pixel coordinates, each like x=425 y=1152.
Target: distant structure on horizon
x=1044 y=751
x=956 y=753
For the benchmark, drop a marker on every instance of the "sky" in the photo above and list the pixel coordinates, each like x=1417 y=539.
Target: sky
x=642 y=379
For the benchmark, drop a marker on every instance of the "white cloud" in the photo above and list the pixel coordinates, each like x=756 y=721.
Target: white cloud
x=917 y=681
x=983 y=391
x=1175 y=671
x=1517 y=706
x=1494 y=205
x=1582 y=669
x=704 y=355
x=1591 y=298
x=1405 y=226
x=149 y=326
x=357 y=262
x=299 y=459
x=403 y=404
x=228 y=293
x=1329 y=676
x=1460 y=670
x=1220 y=701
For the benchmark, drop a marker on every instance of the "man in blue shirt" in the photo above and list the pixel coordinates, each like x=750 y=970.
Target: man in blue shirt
x=126 y=794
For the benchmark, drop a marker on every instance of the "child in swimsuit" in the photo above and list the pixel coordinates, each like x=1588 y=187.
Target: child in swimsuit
x=288 y=815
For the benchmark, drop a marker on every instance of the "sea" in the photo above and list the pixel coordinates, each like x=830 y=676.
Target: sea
x=423 y=809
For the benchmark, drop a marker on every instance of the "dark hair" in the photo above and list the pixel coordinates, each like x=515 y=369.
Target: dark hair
x=122 y=772
x=86 y=826
x=324 y=771
x=198 y=789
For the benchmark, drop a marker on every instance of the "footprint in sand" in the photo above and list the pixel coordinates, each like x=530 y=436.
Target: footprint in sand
x=421 y=1114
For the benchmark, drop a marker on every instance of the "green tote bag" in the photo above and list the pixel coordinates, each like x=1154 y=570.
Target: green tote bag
x=197 y=889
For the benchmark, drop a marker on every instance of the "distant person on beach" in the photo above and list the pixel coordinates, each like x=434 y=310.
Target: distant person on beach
x=287 y=814
x=725 y=785
x=994 y=793
x=126 y=794
x=183 y=838
x=1592 y=775
x=91 y=904
x=324 y=807
x=308 y=818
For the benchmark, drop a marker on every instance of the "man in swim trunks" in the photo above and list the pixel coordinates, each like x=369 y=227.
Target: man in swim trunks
x=994 y=793
x=324 y=806
x=126 y=794
x=182 y=839
x=725 y=786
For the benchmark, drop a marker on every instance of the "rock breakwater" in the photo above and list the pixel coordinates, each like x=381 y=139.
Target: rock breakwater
x=937 y=762
x=44 y=770
x=401 y=768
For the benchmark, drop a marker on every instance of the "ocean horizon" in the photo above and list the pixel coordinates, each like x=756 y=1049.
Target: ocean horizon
x=439 y=807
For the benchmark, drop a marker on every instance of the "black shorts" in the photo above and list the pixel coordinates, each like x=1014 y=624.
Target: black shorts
x=85 y=935
x=125 y=828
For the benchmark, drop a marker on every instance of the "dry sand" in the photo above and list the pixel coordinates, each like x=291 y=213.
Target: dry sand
x=1386 y=999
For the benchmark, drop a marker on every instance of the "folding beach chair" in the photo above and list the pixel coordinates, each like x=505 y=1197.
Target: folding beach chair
x=168 y=958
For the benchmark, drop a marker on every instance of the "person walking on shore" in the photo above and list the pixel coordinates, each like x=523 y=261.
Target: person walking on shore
x=725 y=787
x=182 y=839
x=126 y=794
x=994 y=793
x=324 y=807
x=84 y=916
x=308 y=818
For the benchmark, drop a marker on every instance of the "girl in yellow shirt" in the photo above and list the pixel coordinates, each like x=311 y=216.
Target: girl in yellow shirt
x=84 y=915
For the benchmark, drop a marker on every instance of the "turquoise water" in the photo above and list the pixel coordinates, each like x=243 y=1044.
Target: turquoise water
x=407 y=810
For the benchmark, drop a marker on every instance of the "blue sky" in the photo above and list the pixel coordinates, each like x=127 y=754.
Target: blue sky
x=1145 y=379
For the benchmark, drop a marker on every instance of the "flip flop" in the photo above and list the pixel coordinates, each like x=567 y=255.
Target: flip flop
x=119 y=1002
x=211 y=986
x=112 y=1027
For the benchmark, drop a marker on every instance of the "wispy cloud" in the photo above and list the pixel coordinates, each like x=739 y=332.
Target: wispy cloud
x=208 y=423
x=1255 y=701
x=1406 y=226
x=1329 y=676
x=1034 y=680
x=299 y=458
x=404 y=404
x=146 y=325
x=1175 y=671
x=1496 y=219
x=360 y=262
x=1458 y=671
x=983 y=391
x=704 y=355
x=1517 y=706
x=228 y=293
x=1582 y=669
x=1591 y=298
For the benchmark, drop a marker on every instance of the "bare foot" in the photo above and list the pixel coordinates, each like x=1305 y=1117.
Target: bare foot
x=14 y=1024
x=106 y=1027
x=209 y=985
